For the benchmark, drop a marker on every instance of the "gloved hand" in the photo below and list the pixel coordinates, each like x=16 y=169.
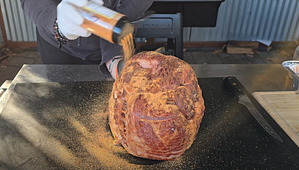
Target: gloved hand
x=69 y=18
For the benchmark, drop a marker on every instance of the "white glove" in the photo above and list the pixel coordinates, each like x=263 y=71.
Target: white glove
x=69 y=18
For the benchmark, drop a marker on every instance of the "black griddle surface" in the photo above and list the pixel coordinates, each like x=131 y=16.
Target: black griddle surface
x=229 y=136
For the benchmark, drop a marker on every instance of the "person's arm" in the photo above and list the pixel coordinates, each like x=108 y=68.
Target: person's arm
x=44 y=13
x=41 y=13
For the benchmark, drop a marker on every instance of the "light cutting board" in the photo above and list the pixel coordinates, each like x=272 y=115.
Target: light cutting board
x=283 y=106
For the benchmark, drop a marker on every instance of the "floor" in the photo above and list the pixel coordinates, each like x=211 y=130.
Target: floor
x=15 y=59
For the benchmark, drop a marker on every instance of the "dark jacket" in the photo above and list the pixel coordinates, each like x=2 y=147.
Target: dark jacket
x=43 y=14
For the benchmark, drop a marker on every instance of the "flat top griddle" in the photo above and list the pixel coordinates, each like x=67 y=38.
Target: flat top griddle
x=65 y=126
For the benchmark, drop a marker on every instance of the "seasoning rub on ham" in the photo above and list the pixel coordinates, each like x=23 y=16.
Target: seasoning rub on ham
x=156 y=106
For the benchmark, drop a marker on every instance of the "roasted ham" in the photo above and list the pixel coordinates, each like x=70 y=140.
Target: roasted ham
x=156 y=106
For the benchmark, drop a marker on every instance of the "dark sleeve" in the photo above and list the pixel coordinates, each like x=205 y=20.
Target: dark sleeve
x=133 y=9
x=42 y=13
x=109 y=50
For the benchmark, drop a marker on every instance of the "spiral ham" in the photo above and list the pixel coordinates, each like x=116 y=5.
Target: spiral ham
x=156 y=106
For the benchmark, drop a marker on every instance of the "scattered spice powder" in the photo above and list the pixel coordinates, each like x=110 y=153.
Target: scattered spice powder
x=99 y=143
x=128 y=46
x=86 y=135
